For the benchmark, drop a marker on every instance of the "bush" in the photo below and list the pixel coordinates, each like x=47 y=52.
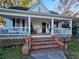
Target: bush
x=11 y=42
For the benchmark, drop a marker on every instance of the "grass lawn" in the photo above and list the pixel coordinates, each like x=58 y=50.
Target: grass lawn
x=74 y=49
x=12 y=53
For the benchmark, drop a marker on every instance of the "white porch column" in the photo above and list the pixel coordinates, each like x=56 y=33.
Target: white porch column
x=70 y=26
x=52 y=26
x=29 y=25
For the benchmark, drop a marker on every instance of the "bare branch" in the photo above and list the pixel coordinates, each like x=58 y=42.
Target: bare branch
x=65 y=5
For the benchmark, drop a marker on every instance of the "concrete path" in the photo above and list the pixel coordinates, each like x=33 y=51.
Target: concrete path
x=49 y=55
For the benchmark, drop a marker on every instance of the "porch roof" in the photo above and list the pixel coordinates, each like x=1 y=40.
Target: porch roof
x=4 y=11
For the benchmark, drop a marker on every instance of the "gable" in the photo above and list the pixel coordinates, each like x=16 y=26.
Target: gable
x=39 y=7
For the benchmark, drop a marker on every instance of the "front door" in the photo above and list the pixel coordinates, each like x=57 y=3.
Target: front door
x=43 y=27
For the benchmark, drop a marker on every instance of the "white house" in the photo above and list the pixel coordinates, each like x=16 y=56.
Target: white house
x=37 y=21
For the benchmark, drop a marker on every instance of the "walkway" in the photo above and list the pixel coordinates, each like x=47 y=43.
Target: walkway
x=49 y=55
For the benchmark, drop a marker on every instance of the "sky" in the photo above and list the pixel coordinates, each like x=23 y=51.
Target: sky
x=52 y=5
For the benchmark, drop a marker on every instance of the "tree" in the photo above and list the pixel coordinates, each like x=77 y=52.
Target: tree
x=2 y=22
x=27 y=3
x=66 y=5
x=20 y=3
x=23 y=3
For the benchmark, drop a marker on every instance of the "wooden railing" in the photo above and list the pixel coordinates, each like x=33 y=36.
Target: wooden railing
x=14 y=31
x=62 y=43
x=62 y=31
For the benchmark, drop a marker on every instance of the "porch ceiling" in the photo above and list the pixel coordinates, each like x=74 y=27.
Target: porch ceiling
x=35 y=18
x=17 y=17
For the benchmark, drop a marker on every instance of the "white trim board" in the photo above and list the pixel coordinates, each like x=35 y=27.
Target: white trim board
x=37 y=36
x=36 y=16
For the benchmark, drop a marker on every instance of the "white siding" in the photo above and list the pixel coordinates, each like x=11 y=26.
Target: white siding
x=8 y=22
x=39 y=8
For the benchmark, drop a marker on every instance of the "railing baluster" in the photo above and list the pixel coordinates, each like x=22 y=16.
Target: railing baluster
x=14 y=31
x=62 y=30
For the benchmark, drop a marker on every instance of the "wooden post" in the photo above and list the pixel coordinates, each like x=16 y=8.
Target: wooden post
x=52 y=26
x=25 y=49
x=29 y=25
x=70 y=26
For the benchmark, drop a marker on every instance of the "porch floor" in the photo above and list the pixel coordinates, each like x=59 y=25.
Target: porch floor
x=49 y=35
x=41 y=35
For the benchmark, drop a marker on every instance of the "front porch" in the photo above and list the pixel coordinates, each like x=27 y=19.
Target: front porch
x=42 y=27
x=22 y=23
x=14 y=27
x=36 y=26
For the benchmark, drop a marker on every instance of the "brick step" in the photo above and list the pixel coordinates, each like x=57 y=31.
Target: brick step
x=44 y=46
x=43 y=43
x=41 y=40
x=41 y=37
x=45 y=50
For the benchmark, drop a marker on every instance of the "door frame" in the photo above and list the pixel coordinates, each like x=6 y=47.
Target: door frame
x=44 y=28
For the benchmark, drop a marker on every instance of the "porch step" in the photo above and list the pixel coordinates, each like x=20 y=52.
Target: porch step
x=43 y=43
x=45 y=50
x=43 y=47
x=44 y=39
